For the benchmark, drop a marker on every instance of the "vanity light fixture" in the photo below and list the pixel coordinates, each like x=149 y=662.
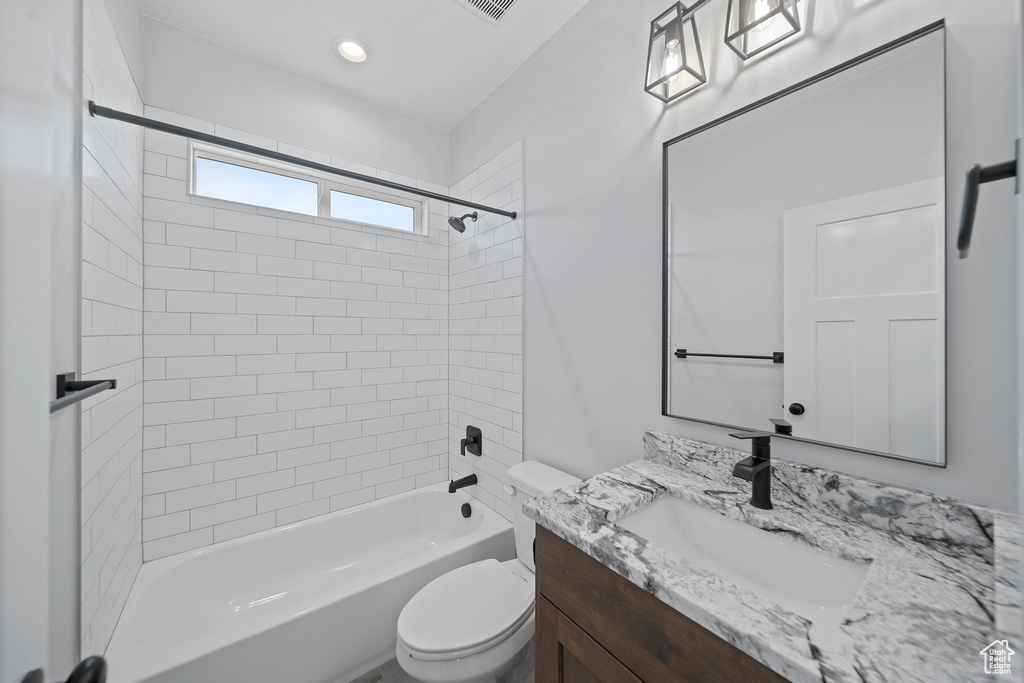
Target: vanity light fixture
x=350 y=49
x=753 y=26
x=675 y=65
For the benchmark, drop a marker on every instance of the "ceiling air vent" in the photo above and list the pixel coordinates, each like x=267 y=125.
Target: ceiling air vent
x=491 y=10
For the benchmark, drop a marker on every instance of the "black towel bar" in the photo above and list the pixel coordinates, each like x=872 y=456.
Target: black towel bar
x=776 y=357
x=71 y=391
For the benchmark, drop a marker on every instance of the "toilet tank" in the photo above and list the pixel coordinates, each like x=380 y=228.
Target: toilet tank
x=531 y=479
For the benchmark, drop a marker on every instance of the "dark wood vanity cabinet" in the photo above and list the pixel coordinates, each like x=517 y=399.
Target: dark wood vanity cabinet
x=595 y=626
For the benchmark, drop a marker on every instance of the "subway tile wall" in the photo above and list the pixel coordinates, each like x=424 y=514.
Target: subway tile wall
x=294 y=366
x=112 y=275
x=486 y=323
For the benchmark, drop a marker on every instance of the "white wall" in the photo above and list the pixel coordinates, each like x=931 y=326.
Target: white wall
x=486 y=341
x=111 y=468
x=592 y=295
x=188 y=74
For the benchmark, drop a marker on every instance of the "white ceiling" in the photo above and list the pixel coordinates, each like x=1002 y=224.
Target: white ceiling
x=431 y=59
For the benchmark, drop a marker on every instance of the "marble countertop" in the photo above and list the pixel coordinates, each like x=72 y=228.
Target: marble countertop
x=930 y=601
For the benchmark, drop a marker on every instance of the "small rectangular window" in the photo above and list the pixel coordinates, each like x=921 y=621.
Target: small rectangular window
x=221 y=180
x=352 y=207
x=219 y=173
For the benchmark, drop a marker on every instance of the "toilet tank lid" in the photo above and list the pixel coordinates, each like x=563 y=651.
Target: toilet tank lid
x=536 y=478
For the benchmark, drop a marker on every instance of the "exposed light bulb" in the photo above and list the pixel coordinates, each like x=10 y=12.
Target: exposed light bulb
x=759 y=10
x=673 y=59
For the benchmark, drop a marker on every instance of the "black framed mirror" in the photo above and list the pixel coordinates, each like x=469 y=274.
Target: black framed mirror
x=805 y=249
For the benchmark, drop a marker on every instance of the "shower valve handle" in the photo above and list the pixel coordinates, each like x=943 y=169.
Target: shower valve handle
x=473 y=442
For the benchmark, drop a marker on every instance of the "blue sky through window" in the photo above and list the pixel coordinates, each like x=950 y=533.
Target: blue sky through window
x=250 y=186
x=350 y=207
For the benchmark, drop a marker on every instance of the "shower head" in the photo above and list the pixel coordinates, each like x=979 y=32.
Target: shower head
x=458 y=223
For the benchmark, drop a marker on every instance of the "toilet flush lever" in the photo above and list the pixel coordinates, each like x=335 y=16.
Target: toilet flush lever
x=473 y=442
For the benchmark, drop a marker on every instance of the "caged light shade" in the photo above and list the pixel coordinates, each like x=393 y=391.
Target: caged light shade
x=753 y=26
x=675 y=65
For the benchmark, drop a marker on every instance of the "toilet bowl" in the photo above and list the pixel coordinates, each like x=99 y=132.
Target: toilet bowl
x=476 y=623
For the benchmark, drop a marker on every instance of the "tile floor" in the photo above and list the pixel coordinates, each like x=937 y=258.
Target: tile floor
x=388 y=672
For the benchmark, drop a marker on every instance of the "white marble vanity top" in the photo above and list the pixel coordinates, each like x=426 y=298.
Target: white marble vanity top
x=929 y=603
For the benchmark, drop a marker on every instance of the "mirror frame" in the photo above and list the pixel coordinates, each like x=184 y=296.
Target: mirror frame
x=666 y=354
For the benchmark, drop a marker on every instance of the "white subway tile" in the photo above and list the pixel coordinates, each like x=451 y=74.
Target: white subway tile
x=242 y=283
x=263 y=424
x=295 y=513
x=283 y=498
x=200 y=302
x=339 y=485
x=262 y=304
x=220 y=513
x=223 y=323
x=351 y=498
x=177 y=411
x=266 y=364
x=177 y=478
x=240 y=221
x=308 y=232
x=244 y=467
x=287 y=382
x=303 y=287
x=301 y=400
x=298 y=457
x=212 y=451
x=320 y=471
x=199 y=366
x=245 y=405
x=283 y=440
x=243 y=527
x=179 y=543
x=156 y=459
x=288 y=267
x=204 y=238
x=223 y=261
x=196 y=432
x=262 y=483
x=319 y=416
x=267 y=246
x=245 y=344
x=285 y=324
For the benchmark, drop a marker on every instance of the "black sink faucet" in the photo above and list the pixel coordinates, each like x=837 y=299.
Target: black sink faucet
x=456 y=484
x=757 y=468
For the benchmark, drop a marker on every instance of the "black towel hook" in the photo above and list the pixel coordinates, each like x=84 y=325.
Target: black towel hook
x=976 y=175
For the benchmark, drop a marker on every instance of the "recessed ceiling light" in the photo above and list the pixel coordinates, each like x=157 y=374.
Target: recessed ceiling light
x=350 y=49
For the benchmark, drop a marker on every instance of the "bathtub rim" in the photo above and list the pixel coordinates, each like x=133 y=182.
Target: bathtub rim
x=185 y=651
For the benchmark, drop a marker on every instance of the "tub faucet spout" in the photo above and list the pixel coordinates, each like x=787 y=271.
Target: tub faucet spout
x=456 y=484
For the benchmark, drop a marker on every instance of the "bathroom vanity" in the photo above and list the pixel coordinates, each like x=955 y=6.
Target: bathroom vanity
x=662 y=570
x=580 y=639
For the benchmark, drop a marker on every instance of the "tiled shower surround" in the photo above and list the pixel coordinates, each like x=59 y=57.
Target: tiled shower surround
x=112 y=274
x=486 y=314
x=294 y=365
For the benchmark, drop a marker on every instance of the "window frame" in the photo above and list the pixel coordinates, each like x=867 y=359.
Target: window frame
x=325 y=185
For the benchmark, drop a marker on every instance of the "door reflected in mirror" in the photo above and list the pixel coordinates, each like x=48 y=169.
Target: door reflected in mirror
x=805 y=249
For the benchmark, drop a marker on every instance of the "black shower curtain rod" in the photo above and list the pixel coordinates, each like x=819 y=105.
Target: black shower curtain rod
x=106 y=112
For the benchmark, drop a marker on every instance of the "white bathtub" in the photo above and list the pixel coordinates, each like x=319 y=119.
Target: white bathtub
x=314 y=602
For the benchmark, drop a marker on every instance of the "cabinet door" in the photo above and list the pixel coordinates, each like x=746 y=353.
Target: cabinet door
x=565 y=654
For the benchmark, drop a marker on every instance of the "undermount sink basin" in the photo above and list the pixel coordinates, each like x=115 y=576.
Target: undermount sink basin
x=802 y=579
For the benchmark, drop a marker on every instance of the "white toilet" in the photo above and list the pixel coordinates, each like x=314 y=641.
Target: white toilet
x=476 y=623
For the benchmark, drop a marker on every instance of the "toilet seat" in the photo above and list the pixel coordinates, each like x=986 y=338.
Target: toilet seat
x=466 y=611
